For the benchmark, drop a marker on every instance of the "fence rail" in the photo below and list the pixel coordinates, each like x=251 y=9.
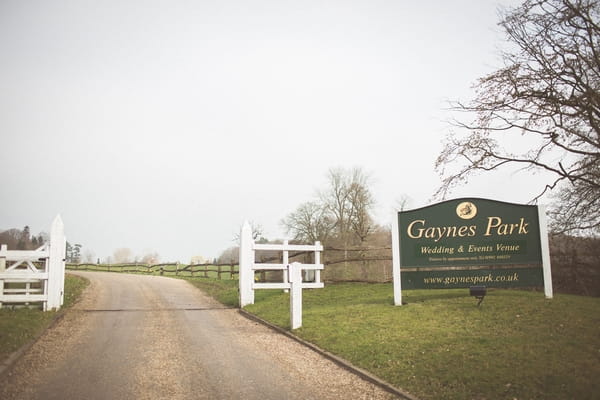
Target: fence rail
x=219 y=271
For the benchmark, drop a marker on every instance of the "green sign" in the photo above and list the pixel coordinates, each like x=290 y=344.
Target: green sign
x=450 y=279
x=469 y=242
x=467 y=232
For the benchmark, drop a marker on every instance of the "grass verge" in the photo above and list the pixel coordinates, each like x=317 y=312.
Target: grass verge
x=226 y=292
x=516 y=344
x=20 y=326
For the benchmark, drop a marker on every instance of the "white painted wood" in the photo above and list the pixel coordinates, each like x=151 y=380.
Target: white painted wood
x=286 y=261
x=24 y=255
x=246 y=260
x=396 y=261
x=56 y=265
x=290 y=247
x=295 y=295
x=318 y=262
x=271 y=285
x=313 y=285
x=51 y=276
x=248 y=265
x=20 y=298
x=546 y=267
x=286 y=285
x=269 y=266
x=3 y=250
x=26 y=290
x=20 y=276
x=275 y=267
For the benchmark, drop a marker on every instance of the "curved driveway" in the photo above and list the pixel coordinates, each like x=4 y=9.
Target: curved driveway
x=150 y=337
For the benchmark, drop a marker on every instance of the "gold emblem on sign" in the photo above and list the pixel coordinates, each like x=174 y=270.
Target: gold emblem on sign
x=466 y=210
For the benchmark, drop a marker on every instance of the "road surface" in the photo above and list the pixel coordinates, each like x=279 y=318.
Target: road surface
x=151 y=337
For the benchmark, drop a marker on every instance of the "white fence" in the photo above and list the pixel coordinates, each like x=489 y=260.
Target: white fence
x=292 y=273
x=21 y=281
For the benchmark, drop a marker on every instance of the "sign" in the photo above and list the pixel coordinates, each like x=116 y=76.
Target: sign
x=471 y=241
x=461 y=278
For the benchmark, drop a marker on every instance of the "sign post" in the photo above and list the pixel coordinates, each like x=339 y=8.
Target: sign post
x=470 y=241
x=295 y=272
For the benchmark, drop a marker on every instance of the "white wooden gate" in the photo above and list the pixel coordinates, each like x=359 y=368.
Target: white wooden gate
x=292 y=273
x=21 y=281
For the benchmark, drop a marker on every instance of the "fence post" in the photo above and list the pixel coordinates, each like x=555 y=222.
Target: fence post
x=3 y=250
x=317 y=272
x=295 y=275
x=246 y=259
x=56 y=265
x=286 y=261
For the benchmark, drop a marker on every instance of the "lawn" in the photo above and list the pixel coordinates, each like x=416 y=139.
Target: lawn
x=517 y=344
x=20 y=326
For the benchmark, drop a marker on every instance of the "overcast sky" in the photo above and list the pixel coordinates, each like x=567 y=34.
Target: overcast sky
x=163 y=125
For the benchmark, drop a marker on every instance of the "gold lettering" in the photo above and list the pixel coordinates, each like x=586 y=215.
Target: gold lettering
x=493 y=222
x=418 y=229
x=430 y=233
x=472 y=230
x=496 y=225
x=523 y=227
x=410 y=226
x=507 y=247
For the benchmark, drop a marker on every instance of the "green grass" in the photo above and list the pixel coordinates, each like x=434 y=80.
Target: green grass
x=19 y=326
x=226 y=292
x=517 y=344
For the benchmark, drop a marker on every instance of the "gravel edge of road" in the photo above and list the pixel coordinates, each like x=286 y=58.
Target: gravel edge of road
x=338 y=360
x=8 y=363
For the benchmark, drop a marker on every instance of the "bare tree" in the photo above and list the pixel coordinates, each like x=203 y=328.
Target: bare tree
x=10 y=238
x=349 y=200
x=540 y=111
x=89 y=256
x=361 y=201
x=257 y=232
x=310 y=222
x=122 y=255
x=402 y=203
x=150 y=257
x=229 y=256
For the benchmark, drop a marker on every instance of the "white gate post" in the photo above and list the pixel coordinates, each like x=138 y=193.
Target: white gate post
x=56 y=265
x=546 y=269
x=295 y=274
x=3 y=250
x=246 y=259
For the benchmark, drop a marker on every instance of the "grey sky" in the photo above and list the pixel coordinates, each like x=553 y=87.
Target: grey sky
x=162 y=125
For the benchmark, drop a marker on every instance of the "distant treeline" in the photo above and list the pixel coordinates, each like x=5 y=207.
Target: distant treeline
x=17 y=239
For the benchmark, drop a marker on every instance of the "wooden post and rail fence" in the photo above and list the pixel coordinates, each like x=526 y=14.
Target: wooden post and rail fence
x=219 y=271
